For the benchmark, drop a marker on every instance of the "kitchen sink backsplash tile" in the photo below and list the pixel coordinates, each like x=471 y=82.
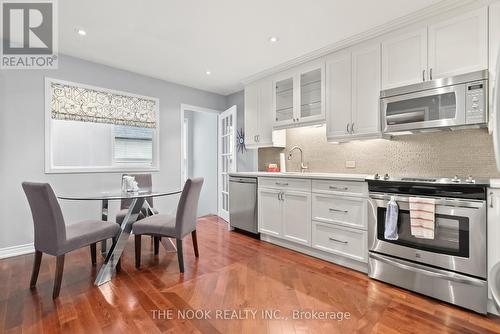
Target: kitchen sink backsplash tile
x=461 y=152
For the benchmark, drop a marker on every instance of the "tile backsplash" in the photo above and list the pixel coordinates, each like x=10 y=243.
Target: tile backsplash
x=446 y=153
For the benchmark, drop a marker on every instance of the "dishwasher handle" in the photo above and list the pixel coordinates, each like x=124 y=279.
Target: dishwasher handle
x=243 y=180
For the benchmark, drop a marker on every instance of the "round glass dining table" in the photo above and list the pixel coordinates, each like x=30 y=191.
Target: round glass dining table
x=137 y=203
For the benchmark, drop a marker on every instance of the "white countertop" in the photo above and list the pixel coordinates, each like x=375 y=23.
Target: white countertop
x=306 y=175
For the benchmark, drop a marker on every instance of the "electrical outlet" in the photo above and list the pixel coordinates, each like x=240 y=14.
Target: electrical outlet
x=350 y=164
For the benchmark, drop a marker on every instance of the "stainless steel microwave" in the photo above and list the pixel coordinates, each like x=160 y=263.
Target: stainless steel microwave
x=457 y=101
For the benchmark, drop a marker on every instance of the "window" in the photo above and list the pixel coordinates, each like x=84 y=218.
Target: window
x=133 y=145
x=91 y=129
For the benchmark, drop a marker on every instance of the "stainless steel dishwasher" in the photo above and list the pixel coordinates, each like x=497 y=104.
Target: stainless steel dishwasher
x=243 y=203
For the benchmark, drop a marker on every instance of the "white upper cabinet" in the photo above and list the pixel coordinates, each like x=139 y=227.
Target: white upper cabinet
x=259 y=116
x=404 y=59
x=284 y=100
x=299 y=95
x=365 y=91
x=338 y=95
x=352 y=95
x=459 y=45
x=252 y=100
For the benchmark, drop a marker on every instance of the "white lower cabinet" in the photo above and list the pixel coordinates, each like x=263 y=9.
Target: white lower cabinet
x=316 y=218
x=270 y=212
x=340 y=240
x=297 y=216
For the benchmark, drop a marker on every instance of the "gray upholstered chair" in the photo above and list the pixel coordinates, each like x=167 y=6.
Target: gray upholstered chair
x=173 y=226
x=54 y=237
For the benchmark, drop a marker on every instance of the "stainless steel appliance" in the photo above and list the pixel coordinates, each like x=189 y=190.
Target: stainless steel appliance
x=243 y=203
x=452 y=266
x=457 y=101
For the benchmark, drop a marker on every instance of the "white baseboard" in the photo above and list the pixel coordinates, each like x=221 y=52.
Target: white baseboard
x=16 y=250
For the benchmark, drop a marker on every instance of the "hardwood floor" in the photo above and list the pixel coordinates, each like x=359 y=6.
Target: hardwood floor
x=233 y=272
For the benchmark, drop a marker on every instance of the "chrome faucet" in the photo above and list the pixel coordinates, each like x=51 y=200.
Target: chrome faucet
x=303 y=166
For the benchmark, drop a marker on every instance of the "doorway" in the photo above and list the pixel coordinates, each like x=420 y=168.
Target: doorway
x=208 y=151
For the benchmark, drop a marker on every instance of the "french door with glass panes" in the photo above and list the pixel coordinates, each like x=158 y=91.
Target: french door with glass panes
x=227 y=157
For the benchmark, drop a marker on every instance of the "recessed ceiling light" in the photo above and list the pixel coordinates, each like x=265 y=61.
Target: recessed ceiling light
x=81 y=32
x=208 y=72
x=273 y=39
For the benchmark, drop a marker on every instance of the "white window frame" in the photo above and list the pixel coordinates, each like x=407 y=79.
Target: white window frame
x=50 y=168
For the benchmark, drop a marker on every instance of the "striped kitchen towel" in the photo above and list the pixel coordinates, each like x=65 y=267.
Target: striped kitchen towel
x=422 y=220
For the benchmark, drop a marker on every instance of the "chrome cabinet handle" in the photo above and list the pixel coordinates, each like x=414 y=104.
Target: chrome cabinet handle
x=491 y=199
x=338 y=210
x=347 y=128
x=352 y=128
x=423 y=75
x=258 y=138
x=281 y=184
x=430 y=73
x=338 y=188
x=340 y=241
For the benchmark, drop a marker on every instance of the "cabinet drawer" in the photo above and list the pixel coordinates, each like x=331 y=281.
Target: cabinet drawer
x=351 y=188
x=285 y=183
x=347 y=211
x=340 y=240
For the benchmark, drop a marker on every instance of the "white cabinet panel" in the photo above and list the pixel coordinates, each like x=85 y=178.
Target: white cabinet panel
x=266 y=113
x=342 y=210
x=404 y=59
x=338 y=95
x=366 y=90
x=334 y=187
x=252 y=97
x=285 y=183
x=270 y=212
x=340 y=240
x=493 y=229
x=494 y=46
x=459 y=45
x=297 y=217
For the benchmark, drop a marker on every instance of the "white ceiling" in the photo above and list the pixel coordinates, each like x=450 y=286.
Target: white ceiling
x=179 y=40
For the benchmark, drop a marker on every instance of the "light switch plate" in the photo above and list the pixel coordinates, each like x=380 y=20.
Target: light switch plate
x=350 y=164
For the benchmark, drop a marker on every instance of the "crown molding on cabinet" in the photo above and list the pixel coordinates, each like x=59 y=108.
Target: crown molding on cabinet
x=415 y=17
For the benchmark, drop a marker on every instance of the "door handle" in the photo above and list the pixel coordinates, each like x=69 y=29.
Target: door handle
x=338 y=188
x=347 y=128
x=430 y=73
x=338 y=210
x=423 y=75
x=491 y=199
x=339 y=241
x=352 y=127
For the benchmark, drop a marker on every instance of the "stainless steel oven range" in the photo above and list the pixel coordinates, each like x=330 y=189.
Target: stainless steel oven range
x=451 y=267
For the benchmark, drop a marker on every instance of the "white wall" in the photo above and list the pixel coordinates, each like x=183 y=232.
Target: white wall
x=203 y=158
x=22 y=140
x=247 y=161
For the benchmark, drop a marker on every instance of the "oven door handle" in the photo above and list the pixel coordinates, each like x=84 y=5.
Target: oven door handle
x=470 y=204
x=425 y=270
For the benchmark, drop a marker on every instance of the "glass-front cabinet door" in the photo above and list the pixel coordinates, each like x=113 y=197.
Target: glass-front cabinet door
x=311 y=95
x=299 y=95
x=284 y=100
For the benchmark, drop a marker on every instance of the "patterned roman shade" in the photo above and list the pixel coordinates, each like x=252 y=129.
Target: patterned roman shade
x=71 y=101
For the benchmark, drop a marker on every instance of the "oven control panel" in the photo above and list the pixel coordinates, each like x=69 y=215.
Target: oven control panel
x=476 y=102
